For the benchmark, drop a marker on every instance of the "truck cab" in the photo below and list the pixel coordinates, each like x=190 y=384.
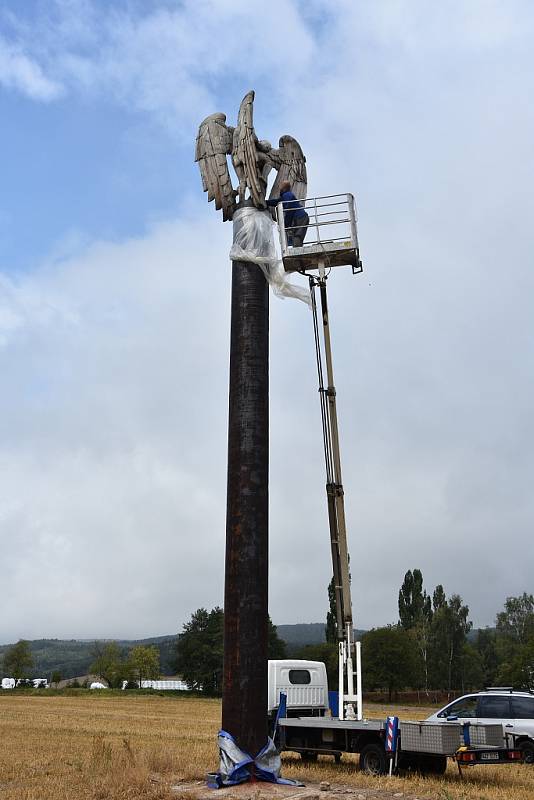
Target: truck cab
x=304 y=683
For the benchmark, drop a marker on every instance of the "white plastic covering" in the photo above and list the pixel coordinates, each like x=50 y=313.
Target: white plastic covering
x=180 y=686
x=254 y=241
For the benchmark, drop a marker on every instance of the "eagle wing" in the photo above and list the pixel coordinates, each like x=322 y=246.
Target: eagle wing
x=214 y=143
x=290 y=162
x=245 y=152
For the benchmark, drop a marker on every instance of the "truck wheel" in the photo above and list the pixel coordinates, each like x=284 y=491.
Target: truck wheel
x=309 y=756
x=440 y=765
x=435 y=765
x=373 y=759
x=527 y=748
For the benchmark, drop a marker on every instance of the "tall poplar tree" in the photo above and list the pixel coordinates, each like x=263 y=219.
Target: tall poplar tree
x=415 y=615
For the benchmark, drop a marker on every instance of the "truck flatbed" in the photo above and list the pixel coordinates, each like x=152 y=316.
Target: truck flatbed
x=313 y=736
x=332 y=723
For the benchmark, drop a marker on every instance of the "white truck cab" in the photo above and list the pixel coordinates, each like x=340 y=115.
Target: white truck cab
x=304 y=683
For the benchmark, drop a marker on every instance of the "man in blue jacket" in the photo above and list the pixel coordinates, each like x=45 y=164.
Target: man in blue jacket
x=295 y=217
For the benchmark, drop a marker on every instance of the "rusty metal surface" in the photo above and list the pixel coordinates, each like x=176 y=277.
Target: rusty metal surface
x=244 y=710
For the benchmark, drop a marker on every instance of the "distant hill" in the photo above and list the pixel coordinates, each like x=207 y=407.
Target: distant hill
x=302 y=634
x=73 y=657
x=298 y=636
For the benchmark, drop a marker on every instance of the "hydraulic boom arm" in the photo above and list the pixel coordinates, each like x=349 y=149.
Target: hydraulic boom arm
x=336 y=513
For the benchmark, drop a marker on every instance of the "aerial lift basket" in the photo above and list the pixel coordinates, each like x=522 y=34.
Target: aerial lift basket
x=331 y=238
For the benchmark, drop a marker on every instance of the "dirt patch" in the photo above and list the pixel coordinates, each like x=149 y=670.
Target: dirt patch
x=269 y=791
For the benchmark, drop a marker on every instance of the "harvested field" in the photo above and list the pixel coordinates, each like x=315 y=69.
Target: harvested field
x=97 y=746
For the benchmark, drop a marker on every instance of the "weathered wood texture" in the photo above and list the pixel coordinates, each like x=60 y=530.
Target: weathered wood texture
x=246 y=580
x=251 y=158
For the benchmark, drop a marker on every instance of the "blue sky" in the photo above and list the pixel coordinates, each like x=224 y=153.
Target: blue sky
x=87 y=157
x=114 y=305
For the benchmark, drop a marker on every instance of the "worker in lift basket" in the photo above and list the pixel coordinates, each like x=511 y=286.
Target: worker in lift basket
x=295 y=217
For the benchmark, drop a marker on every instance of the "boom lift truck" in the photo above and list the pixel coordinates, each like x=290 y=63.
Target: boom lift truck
x=336 y=216
x=383 y=745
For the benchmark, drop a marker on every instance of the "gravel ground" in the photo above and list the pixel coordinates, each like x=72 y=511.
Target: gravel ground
x=268 y=791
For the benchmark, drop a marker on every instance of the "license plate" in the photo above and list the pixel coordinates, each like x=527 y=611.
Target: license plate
x=489 y=756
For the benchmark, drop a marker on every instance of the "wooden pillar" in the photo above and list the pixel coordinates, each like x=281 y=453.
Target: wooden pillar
x=244 y=707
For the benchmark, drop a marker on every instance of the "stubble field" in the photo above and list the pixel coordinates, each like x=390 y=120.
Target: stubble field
x=107 y=747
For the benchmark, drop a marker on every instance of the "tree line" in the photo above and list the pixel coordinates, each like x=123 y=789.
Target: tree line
x=198 y=657
x=432 y=645
x=111 y=663
x=199 y=650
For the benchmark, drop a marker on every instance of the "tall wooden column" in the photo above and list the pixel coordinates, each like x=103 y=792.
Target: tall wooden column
x=244 y=708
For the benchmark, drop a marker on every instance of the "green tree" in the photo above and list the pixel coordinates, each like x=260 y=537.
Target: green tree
x=200 y=651
x=412 y=599
x=513 y=633
x=486 y=645
x=330 y=631
x=515 y=625
x=109 y=663
x=415 y=615
x=387 y=659
x=275 y=645
x=439 y=599
x=55 y=678
x=143 y=663
x=470 y=668
x=450 y=626
x=518 y=671
x=18 y=660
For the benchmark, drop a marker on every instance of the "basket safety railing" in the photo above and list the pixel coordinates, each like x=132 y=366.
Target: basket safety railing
x=332 y=219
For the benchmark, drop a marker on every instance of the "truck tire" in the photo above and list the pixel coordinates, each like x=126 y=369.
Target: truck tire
x=373 y=759
x=308 y=756
x=527 y=748
x=434 y=765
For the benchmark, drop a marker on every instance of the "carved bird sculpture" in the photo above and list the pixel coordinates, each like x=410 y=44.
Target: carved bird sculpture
x=252 y=161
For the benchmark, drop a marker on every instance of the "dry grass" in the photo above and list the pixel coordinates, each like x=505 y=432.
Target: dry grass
x=93 y=747
x=98 y=747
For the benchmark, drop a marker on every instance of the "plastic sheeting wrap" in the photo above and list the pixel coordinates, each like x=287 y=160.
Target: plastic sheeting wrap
x=237 y=766
x=254 y=241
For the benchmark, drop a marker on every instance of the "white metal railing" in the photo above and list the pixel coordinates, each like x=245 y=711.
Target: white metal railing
x=324 y=227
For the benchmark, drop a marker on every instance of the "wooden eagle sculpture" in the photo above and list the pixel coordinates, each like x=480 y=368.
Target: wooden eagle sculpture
x=252 y=160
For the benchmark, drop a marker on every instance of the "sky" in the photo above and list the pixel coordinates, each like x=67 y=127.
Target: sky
x=115 y=306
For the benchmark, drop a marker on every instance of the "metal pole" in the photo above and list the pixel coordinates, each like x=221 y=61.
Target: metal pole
x=359 y=711
x=244 y=705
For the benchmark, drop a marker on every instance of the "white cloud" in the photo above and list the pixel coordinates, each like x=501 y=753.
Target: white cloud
x=113 y=420
x=169 y=62
x=20 y=72
x=112 y=431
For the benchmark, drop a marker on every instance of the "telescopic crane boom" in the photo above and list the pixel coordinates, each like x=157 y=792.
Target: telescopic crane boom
x=330 y=240
x=349 y=695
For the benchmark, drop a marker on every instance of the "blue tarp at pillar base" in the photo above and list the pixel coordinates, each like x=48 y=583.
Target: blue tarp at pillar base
x=236 y=766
